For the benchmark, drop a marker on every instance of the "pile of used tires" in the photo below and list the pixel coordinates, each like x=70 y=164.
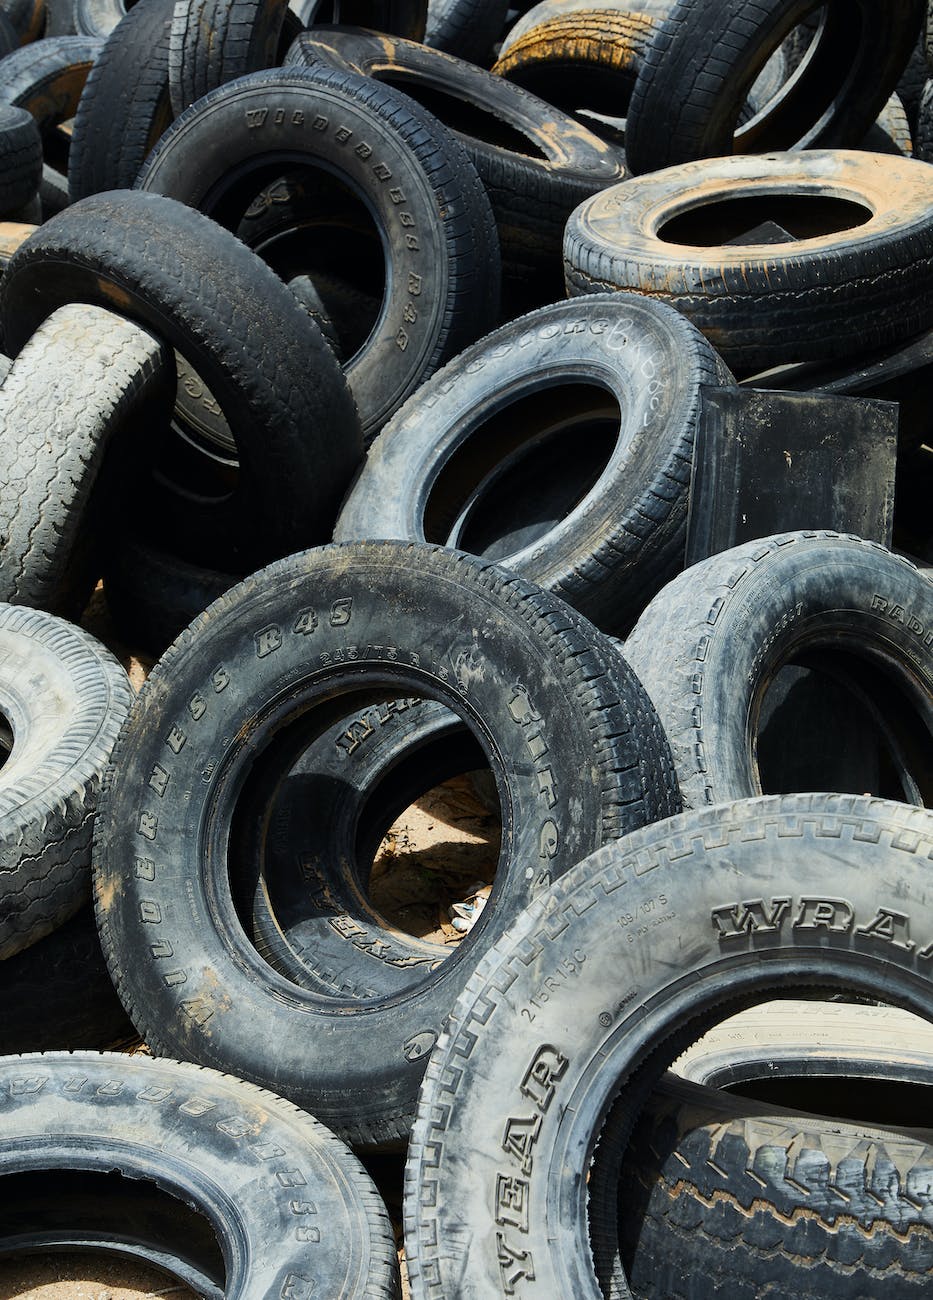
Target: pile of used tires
x=365 y=366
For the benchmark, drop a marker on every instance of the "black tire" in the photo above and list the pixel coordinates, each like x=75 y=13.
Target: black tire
x=9 y=39
x=468 y=29
x=47 y=78
x=435 y=227
x=60 y=18
x=63 y=698
x=152 y=596
x=703 y=60
x=711 y=643
x=27 y=17
x=170 y=1178
x=20 y=159
x=58 y=996
x=637 y=947
x=125 y=106
x=495 y=649
x=108 y=375
x=12 y=234
x=277 y=382
x=715 y=1190
x=536 y=163
x=923 y=142
x=503 y=455
x=861 y=235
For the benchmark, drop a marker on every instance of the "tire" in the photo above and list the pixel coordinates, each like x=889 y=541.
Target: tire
x=276 y=381
x=763 y=304
x=712 y=642
x=891 y=132
x=216 y=41
x=152 y=596
x=125 y=106
x=47 y=78
x=703 y=60
x=404 y=18
x=517 y=1088
x=64 y=698
x=467 y=29
x=12 y=234
x=715 y=1190
x=923 y=144
x=60 y=18
x=20 y=159
x=490 y=646
x=98 y=17
x=46 y=1007
x=171 y=1173
x=437 y=240
x=27 y=17
x=794 y=1047
x=535 y=163
x=81 y=379
x=489 y=456
x=8 y=37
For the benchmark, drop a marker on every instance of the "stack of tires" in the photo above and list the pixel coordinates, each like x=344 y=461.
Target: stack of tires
x=359 y=356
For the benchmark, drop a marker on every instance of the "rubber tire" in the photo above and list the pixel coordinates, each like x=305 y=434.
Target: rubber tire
x=467 y=29
x=923 y=143
x=58 y=996
x=48 y=78
x=81 y=379
x=60 y=18
x=99 y=17
x=207 y=1140
x=9 y=39
x=709 y=645
x=765 y=304
x=703 y=60
x=64 y=698
x=439 y=237
x=125 y=106
x=152 y=596
x=624 y=537
x=516 y=650
x=519 y=1084
x=716 y=1190
x=20 y=159
x=200 y=290
x=536 y=163
x=803 y=1041
x=27 y=17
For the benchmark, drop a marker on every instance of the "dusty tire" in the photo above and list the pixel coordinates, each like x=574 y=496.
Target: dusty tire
x=492 y=647
x=81 y=379
x=64 y=698
x=125 y=106
x=208 y=1141
x=666 y=235
x=711 y=644
x=468 y=29
x=704 y=59
x=585 y=987
x=20 y=159
x=715 y=1190
x=288 y=408
x=435 y=229
x=536 y=163
x=480 y=460
x=57 y=993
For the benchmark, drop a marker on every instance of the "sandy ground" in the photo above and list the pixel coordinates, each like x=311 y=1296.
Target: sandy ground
x=435 y=855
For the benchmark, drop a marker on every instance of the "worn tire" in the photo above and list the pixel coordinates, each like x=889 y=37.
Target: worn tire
x=201 y=291
x=467 y=29
x=208 y=1141
x=436 y=229
x=723 y=1196
x=470 y=460
x=499 y=652
x=64 y=698
x=665 y=235
x=713 y=641
x=585 y=988
x=536 y=164
x=20 y=159
x=125 y=106
x=81 y=379
x=703 y=60
x=57 y=993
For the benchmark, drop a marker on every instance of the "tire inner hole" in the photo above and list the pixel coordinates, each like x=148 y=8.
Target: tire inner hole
x=832 y=721
x=115 y=1217
x=523 y=470
x=369 y=857
x=764 y=219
